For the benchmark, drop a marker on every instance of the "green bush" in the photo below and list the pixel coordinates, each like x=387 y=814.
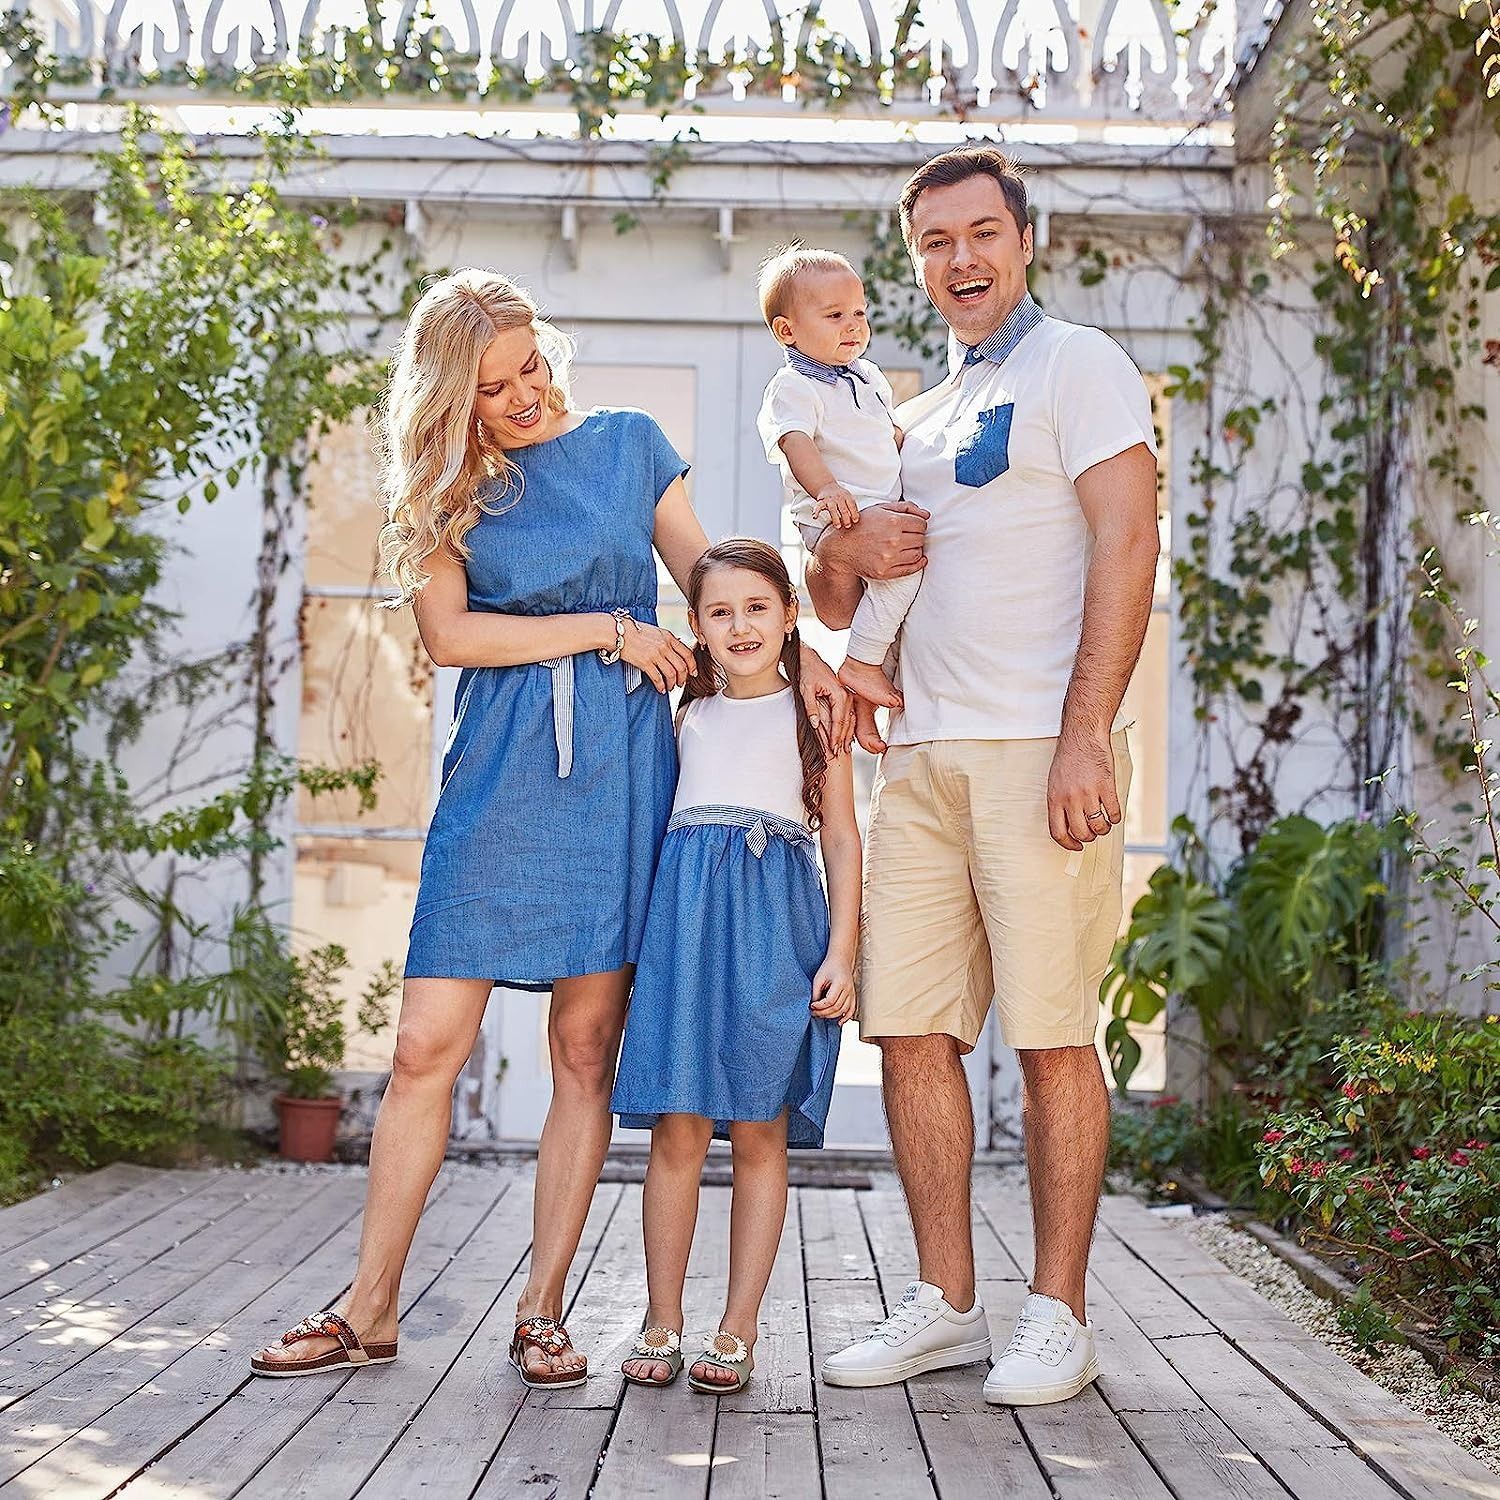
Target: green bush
x=1398 y=1166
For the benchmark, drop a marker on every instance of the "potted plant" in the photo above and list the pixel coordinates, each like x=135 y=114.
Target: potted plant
x=302 y=1038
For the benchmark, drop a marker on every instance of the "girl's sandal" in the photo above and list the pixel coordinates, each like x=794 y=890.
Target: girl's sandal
x=660 y=1345
x=352 y=1352
x=725 y=1352
x=548 y=1335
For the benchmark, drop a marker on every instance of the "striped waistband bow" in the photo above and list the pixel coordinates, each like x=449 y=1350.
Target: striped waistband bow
x=759 y=826
x=563 y=679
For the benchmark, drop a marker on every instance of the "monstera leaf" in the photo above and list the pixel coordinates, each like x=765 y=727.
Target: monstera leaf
x=1302 y=888
x=1181 y=934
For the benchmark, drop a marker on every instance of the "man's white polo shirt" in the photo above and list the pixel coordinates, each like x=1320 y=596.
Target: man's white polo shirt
x=988 y=648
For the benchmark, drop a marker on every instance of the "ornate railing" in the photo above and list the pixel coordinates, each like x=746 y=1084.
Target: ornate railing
x=975 y=59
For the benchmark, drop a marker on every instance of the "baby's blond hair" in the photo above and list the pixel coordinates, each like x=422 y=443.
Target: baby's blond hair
x=779 y=273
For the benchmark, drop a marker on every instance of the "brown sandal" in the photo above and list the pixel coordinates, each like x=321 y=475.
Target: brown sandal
x=350 y=1353
x=548 y=1335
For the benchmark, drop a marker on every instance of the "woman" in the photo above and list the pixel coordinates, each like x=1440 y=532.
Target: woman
x=522 y=531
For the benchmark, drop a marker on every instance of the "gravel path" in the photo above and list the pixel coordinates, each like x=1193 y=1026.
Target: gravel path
x=1466 y=1417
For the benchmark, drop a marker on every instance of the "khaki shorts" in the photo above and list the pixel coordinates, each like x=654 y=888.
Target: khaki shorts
x=968 y=899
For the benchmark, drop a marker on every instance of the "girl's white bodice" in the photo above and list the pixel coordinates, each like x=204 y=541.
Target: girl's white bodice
x=741 y=752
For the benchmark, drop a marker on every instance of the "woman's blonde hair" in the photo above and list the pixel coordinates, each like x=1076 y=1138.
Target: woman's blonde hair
x=437 y=454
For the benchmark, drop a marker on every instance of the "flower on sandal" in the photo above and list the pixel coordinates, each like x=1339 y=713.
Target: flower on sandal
x=658 y=1340
x=726 y=1347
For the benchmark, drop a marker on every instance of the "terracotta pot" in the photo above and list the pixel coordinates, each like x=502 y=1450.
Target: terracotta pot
x=308 y=1127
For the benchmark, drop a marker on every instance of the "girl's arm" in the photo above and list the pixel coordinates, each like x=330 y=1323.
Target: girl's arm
x=456 y=636
x=833 y=986
x=680 y=540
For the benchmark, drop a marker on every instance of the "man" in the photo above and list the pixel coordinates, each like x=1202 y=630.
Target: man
x=995 y=863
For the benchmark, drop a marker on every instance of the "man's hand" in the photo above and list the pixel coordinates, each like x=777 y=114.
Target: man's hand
x=887 y=541
x=1083 y=802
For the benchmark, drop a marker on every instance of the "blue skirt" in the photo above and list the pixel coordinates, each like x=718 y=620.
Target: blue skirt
x=720 y=1023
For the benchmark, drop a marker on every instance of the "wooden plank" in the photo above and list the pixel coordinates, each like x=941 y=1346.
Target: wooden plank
x=89 y=1231
x=47 y=1210
x=103 y=1375
x=1006 y=1207
x=1400 y=1443
x=1198 y=1455
x=234 y=1439
x=710 y=1253
x=980 y=1453
x=96 y=1272
x=455 y=1435
x=1087 y=1453
x=94 y=1461
x=833 y=1235
x=1255 y=1408
x=662 y=1441
x=335 y=1451
x=1318 y=1473
x=1134 y=1374
x=765 y=1456
x=783 y=1355
x=1158 y=1309
x=553 y=1457
x=871 y=1450
x=83 y=1327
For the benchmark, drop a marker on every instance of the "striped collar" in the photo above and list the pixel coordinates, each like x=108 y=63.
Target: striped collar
x=815 y=369
x=997 y=346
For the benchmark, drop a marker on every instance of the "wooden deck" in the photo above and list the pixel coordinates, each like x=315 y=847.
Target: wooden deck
x=130 y=1300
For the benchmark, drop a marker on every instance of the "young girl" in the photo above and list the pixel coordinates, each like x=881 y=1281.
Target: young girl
x=733 y=1028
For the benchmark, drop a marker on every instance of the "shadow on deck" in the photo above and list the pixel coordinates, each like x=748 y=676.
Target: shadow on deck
x=131 y=1298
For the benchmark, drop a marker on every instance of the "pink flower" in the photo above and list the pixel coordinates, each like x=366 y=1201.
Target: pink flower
x=1274 y=1137
x=1398 y=1235
x=1294 y=1166
x=1317 y=1169
x=1476 y=1145
x=1422 y=1153
x=1458 y=1158
x=1351 y=1091
x=1347 y=1154
x=1367 y=1183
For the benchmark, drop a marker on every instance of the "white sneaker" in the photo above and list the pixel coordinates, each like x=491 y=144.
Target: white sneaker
x=922 y=1333
x=1049 y=1358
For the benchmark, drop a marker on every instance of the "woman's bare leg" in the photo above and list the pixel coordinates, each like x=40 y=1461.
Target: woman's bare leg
x=669 y=1212
x=583 y=1037
x=439 y=1021
x=756 y=1216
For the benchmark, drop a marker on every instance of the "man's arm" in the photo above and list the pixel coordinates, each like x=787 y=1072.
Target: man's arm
x=886 y=542
x=1118 y=497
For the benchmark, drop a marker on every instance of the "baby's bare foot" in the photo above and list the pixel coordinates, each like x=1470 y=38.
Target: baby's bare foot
x=867 y=680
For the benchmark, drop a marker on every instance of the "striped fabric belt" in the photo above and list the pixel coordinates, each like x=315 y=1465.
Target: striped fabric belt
x=563 y=679
x=759 y=825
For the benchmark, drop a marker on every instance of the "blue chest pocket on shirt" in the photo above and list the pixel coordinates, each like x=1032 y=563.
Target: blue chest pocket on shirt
x=984 y=453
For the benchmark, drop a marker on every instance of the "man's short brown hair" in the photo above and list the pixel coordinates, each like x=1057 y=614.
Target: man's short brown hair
x=780 y=272
x=959 y=165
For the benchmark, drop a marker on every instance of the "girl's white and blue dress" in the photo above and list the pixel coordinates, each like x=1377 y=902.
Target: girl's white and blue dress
x=720 y=1023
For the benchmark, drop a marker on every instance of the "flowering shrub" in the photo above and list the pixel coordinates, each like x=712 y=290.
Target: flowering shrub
x=1399 y=1167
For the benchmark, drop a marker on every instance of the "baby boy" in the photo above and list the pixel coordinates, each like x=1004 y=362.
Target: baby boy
x=826 y=423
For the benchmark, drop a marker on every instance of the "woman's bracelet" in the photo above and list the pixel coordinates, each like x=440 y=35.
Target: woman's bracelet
x=611 y=656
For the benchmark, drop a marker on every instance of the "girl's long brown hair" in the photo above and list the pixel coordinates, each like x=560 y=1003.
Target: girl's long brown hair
x=759 y=557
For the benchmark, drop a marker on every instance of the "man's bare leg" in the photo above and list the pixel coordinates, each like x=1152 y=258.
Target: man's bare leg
x=932 y=1136
x=1066 y=1118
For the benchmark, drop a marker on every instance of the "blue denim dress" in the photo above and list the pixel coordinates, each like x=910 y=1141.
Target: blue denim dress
x=557 y=776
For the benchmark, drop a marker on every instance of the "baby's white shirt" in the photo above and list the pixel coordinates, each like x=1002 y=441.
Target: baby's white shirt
x=855 y=434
